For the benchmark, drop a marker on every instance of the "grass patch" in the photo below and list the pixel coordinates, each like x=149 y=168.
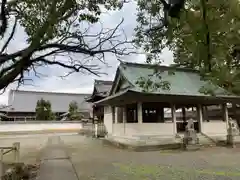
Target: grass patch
x=219 y=173
x=156 y=171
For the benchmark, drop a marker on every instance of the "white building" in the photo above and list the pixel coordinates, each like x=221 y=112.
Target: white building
x=22 y=104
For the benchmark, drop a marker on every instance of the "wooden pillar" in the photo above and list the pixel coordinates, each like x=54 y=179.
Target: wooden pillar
x=161 y=114
x=139 y=110
x=16 y=147
x=184 y=114
x=174 y=118
x=113 y=110
x=116 y=115
x=205 y=113
x=124 y=110
x=93 y=113
x=200 y=117
x=1 y=163
x=225 y=114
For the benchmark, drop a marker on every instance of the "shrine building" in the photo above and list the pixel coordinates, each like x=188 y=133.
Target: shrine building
x=133 y=112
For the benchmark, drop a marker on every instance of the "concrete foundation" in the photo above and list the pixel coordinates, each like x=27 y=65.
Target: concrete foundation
x=143 y=143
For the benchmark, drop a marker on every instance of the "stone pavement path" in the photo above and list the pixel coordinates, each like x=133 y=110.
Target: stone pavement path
x=55 y=163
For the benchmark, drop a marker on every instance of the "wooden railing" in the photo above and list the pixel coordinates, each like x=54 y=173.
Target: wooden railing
x=15 y=148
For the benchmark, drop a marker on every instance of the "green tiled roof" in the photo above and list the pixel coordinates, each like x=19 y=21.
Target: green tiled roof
x=182 y=82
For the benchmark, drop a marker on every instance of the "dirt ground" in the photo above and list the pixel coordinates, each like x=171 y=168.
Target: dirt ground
x=92 y=160
x=30 y=147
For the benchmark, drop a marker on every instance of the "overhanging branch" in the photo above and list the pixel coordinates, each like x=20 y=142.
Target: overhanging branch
x=75 y=67
x=10 y=37
x=3 y=18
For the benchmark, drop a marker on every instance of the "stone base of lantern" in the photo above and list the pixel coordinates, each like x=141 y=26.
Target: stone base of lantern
x=231 y=140
x=190 y=145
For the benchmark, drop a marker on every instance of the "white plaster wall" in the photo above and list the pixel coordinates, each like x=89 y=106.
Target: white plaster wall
x=108 y=119
x=139 y=129
x=214 y=128
x=38 y=126
x=118 y=129
x=25 y=101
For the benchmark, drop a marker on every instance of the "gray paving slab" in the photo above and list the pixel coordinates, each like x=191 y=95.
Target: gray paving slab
x=55 y=163
x=54 y=153
x=58 y=169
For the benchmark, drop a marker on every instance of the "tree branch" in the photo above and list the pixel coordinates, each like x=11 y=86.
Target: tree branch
x=55 y=36
x=10 y=37
x=3 y=18
x=75 y=67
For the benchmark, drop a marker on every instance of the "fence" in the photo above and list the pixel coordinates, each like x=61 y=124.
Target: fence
x=15 y=148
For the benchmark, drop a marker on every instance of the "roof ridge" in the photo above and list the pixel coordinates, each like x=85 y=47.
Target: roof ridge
x=106 y=82
x=47 y=92
x=163 y=67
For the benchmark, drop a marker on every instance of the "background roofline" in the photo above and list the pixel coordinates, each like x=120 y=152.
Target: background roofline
x=103 y=81
x=47 y=92
x=162 y=67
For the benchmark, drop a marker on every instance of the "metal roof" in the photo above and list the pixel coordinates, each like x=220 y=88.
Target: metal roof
x=102 y=87
x=25 y=101
x=101 y=90
x=182 y=81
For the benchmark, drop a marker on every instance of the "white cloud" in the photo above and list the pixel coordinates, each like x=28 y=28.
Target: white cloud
x=83 y=83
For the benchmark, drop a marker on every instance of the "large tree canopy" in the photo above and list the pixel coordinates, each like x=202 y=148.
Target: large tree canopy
x=56 y=30
x=205 y=36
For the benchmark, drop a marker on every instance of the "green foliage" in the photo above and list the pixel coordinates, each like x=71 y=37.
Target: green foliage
x=186 y=37
x=154 y=82
x=73 y=111
x=44 y=110
x=150 y=14
x=207 y=91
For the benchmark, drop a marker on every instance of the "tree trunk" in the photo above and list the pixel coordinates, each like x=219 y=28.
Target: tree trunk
x=207 y=43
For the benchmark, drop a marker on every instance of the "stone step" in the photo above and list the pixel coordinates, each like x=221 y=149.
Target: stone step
x=153 y=137
x=193 y=147
x=205 y=140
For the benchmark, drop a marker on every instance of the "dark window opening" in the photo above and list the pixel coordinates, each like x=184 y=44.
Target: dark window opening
x=131 y=112
x=113 y=114
x=152 y=114
x=120 y=115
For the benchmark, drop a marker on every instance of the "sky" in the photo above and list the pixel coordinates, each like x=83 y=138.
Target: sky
x=79 y=82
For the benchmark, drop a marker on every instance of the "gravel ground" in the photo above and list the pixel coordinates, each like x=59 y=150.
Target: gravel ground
x=92 y=160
